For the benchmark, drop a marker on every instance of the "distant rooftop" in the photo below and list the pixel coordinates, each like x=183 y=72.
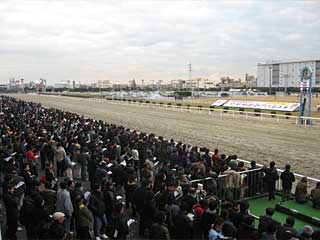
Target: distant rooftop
x=283 y=62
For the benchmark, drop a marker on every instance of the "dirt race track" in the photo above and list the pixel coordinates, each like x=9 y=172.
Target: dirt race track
x=262 y=141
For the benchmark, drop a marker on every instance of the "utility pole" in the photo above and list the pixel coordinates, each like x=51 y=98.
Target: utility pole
x=190 y=77
x=270 y=72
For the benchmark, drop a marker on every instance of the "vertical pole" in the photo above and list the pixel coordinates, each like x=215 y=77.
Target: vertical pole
x=310 y=100
x=301 y=92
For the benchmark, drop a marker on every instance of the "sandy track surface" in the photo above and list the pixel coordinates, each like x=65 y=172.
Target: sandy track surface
x=262 y=141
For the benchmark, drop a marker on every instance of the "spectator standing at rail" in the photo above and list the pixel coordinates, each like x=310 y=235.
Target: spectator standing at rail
x=287 y=178
x=271 y=178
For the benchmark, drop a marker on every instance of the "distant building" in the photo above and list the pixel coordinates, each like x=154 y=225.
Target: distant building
x=227 y=82
x=104 y=84
x=63 y=84
x=250 y=81
x=286 y=74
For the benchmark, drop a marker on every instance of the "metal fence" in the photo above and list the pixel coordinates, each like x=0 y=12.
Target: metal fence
x=303 y=121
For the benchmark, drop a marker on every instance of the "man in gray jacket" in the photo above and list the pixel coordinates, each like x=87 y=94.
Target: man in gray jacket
x=64 y=205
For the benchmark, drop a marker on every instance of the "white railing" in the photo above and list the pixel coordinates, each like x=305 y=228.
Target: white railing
x=222 y=112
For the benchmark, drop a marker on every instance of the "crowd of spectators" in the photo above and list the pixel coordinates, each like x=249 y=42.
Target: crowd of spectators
x=65 y=176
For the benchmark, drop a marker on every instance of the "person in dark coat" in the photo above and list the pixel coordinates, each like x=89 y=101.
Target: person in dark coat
x=266 y=220
x=189 y=200
x=119 y=222
x=49 y=196
x=287 y=227
x=57 y=230
x=182 y=226
x=247 y=230
x=97 y=207
x=209 y=217
x=109 y=199
x=271 y=178
x=287 y=179
x=12 y=212
x=37 y=218
x=159 y=230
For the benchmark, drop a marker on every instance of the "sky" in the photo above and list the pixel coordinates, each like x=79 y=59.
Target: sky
x=91 y=40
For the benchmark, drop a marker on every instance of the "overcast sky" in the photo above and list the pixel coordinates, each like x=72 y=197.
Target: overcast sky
x=93 y=40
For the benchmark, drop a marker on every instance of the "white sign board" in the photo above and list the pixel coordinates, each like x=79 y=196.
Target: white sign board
x=219 y=103
x=277 y=106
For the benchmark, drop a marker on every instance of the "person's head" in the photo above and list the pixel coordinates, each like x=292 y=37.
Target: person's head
x=224 y=214
x=59 y=217
x=236 y=207
x=212 y=204
x=272 y=164
x=287 y=167
x=160 y=217
x=192 y=191
x=78 y=185
x=307 y=231
x=253 y=164
x=11 y=188
x=244 y=206
x=269 y=211
x=26 y=167
x=290 y=221
x=318 y=185
x=304 y=180
x=218 y=223
x=63 y=185
x=68 y=182
x=96 y=187
x=216 y=151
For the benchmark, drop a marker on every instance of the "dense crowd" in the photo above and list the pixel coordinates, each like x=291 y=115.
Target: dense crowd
x=65 y=176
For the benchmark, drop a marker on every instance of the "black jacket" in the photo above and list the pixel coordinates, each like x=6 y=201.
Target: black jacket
x=158 y=231
x=12 y=210
x=182 y=227
x=57 y=231
x=96 y=203
x=287 y=178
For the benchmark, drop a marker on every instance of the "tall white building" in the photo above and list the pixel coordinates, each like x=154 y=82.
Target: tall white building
x=286 y=74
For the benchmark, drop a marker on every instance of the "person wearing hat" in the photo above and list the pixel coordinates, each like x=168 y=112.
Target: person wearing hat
x=12 y=212
x=57 y=230
x=305 y=233
x=301 y=192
